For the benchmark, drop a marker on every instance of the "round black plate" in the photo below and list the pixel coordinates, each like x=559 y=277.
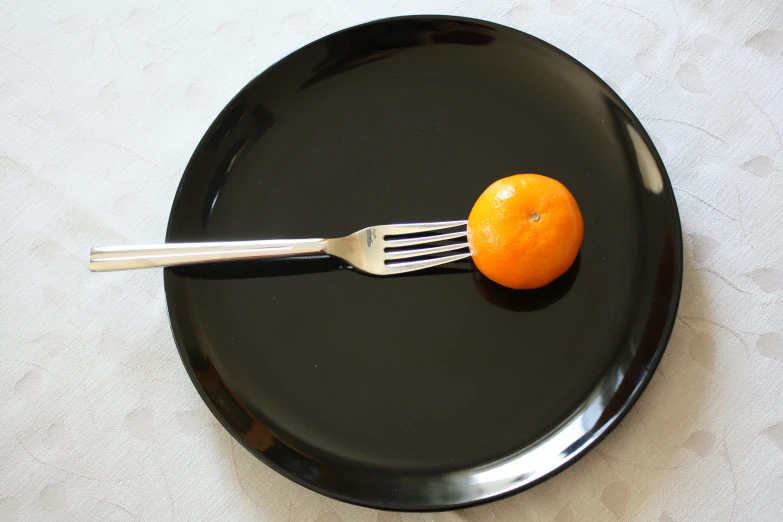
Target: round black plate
x=438 y=389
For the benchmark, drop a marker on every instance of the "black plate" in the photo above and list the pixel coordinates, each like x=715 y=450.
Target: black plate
x=438 y=389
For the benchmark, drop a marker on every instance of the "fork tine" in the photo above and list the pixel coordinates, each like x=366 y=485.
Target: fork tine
x=410 y=266
x=418 y=228
x=411 y=241
x=417 y=252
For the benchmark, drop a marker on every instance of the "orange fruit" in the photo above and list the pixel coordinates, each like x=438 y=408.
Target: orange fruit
x=525 y=231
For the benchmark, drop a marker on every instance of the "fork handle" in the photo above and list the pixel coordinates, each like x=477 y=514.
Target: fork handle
x=105 y=259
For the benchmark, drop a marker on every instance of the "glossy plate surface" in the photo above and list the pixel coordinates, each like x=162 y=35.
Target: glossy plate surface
x=438 y=389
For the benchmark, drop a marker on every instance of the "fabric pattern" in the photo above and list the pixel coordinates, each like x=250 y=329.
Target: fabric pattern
x=101 y=106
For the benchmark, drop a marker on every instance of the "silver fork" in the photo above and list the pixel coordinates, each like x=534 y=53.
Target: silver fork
x=382 y=250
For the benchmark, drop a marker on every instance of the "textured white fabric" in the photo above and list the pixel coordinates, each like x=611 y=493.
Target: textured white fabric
x=101 y=105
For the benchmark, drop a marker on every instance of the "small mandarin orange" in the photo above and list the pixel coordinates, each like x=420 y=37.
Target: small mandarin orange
x=525 y=231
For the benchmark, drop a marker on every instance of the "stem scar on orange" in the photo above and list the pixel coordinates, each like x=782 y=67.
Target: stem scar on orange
x=525 y=231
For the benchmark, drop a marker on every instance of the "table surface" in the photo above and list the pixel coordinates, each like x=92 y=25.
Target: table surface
x=101 y=106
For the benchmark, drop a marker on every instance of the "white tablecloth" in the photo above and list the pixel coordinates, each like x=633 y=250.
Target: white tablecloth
x=101 y=105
